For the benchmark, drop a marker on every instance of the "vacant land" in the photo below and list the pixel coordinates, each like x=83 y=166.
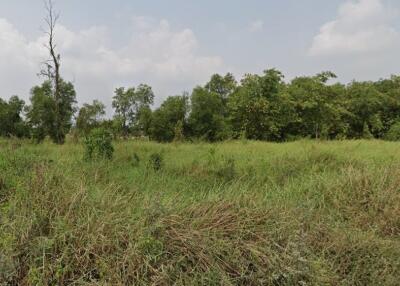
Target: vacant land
x=235 y=213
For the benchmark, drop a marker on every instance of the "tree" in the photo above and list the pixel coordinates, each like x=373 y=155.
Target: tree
x=128 y=103
x=394 y=132
x=207 y=119
x=61 y=95
x=40 y=114
x=390 y=114
x=169 y=121
x=47 y=116
x=222 y=85
x=11 y=122
x=179 y=135
x=90 y=116
x=367 y=105
x=321 y=108
x=260 y=108
x=145 y=118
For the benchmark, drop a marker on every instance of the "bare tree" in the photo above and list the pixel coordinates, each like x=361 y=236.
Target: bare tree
x=52 y=66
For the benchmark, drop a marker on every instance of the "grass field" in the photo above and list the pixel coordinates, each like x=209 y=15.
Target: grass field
x=234 y=213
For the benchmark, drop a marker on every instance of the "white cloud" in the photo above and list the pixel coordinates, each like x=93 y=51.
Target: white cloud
x=156 y=54
x=361 y=26
x=256 y=26
x=19 y=61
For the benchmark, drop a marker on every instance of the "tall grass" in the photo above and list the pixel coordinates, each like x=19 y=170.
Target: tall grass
x=234 y=213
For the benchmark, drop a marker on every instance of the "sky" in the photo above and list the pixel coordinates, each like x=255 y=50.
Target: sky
x=175 y=45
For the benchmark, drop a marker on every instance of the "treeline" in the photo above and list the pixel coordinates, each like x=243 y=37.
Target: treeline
x=259 y=107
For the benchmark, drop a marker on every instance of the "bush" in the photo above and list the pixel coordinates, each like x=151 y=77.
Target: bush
x=156 y=161
x=394 y=132
x=99 y=144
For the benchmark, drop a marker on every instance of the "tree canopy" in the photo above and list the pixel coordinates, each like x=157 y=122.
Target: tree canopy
x=259 y=107
x=50 y=116
x=128 y=104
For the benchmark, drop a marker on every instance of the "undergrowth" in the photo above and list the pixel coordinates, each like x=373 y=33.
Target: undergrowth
x=302 y=213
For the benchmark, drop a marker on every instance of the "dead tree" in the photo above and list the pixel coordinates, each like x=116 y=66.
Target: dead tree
x=52 y=66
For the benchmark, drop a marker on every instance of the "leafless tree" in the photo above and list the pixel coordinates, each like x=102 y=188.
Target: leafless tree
x=51 y=68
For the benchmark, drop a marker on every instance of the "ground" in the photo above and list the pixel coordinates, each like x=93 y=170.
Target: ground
x=232 y=213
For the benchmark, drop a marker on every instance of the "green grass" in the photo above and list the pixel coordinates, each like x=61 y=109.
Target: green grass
x=234 y=213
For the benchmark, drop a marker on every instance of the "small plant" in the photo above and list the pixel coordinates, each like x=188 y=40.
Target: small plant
x=99 y=144
x=156 y=161
x=151 y=247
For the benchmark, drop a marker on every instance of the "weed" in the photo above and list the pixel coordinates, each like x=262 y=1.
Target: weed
x=99 y=144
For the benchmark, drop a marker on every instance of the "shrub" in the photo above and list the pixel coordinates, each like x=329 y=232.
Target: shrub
x=394 y=132
x=156 y=161
x=99 y=144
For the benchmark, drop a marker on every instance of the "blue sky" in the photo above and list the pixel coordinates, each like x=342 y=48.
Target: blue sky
x=175 y=44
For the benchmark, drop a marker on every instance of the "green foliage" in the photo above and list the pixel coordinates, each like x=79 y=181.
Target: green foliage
x=173 y=111
x=179 y=132
x=49 y=117
x=128 y=103
x=224 y=86
x=366 y=132
x=156 y=161
x=98 y=144
x=145 y=119
x=264 y=107
x=394 y=132
x=260 y=108
x=90 y=117
x=11 y=122
x=206 y=118
x=320 y=108
x=367 y=106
